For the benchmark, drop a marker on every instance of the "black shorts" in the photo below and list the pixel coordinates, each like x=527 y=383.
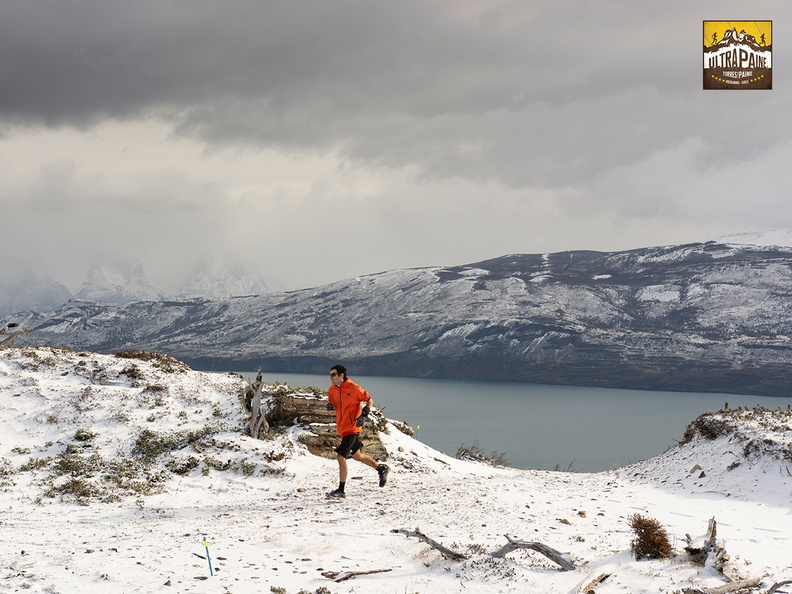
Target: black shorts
x=350 y=445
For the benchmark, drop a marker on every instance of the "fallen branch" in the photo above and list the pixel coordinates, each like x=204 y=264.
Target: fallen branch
x=561 y=558
x=338 y=576
x=724 y=589
x=775 y=587
x=447 y=553
x=589 y=587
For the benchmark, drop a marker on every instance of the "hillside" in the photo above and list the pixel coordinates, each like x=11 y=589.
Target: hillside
x=116 y=468
x=707 y=317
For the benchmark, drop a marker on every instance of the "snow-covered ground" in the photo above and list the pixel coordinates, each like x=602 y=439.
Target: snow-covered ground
x=114 y=471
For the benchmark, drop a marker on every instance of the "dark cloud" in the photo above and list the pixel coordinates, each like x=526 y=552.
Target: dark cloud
x=565 y=119
x=524 y=93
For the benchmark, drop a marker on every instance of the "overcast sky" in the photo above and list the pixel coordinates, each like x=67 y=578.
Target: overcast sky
x=322 y=139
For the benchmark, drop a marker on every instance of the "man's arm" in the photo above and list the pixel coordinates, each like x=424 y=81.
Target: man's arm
x=364 y=411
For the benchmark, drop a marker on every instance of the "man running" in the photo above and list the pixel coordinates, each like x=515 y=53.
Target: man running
x=352 y=405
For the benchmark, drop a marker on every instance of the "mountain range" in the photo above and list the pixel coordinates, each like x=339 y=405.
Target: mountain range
x=709 y=317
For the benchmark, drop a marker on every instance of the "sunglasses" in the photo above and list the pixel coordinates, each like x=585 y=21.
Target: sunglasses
x=333 y=374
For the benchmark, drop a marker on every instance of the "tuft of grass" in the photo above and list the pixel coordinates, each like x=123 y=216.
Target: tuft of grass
x=475 y=453
x=149 y=444
x=85 y=435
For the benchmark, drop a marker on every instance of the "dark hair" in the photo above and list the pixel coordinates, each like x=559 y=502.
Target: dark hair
x=340 y=369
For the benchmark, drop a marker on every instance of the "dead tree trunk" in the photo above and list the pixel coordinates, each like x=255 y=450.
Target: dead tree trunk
x=257 y=423
x=707 y=550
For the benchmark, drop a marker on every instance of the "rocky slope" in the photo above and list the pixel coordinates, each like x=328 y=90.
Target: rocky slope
x=702 y=317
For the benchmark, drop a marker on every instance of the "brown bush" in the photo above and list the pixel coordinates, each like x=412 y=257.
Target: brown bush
x=707 y=426
x=651 y=539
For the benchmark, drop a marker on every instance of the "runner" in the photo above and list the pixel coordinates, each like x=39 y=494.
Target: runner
x=352 y=405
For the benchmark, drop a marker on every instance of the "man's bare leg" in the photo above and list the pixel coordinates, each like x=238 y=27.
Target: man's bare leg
x=365 y=459
x=343 y=469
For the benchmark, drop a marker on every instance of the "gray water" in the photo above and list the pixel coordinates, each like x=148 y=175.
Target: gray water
x=539 y=426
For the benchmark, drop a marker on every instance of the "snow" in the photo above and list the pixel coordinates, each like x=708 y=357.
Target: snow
x=776 y=237
x=74 y=419
x=658 y=293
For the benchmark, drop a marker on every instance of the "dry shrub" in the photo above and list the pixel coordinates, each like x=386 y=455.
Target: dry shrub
x=651 y=539
x=161 y=361
x=708 y=426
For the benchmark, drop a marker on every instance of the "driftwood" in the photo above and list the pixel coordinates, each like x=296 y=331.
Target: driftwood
x=701 y=552
x=549 y=552
x=725 y=588
x=557 y=557
x=339 y=576
x=447 y=553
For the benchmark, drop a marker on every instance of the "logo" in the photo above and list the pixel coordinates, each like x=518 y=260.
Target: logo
x=738 y=55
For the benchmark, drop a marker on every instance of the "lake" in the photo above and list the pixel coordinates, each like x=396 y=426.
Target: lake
x=538 y=426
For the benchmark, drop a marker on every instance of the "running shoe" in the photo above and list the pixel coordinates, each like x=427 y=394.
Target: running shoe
x=382 y=471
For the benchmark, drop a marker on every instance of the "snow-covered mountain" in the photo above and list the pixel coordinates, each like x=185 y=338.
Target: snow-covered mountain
x=121 y=280
x=220 y=278
x=699 y=317
x=32 y=292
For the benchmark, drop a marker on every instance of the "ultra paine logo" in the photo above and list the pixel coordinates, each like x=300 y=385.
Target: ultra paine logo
x=738 y=55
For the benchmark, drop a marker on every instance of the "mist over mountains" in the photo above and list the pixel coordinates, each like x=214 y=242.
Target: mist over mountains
x=711 y=317
x=32 y=292
x=122 y=280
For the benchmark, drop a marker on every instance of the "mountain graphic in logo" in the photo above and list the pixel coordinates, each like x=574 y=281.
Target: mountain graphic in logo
x=738 y=55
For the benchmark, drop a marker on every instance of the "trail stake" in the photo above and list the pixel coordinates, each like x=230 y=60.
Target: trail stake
x=208 y=558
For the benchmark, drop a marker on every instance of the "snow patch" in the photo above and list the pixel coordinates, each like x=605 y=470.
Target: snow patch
x=658 y=293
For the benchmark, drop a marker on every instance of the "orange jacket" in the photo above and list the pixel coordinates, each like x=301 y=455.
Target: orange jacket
x=346 y=399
